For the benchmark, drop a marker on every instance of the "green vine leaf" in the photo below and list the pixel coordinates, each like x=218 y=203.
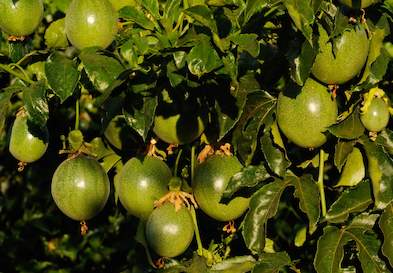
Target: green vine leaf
x=137 y=16
x=203 y=58
x=385 y=139
x=263 y=206
x=62 y=75
x=203 y=15
x=275 y=157
x=354 y=170
x=234 y=265
x=36 y=104
x=302 y=14
x=341 y=152
x=330 y=252
x=258 y=112
x=272 y=262
x=350 y=201
x=386 y=225
x=350 y=128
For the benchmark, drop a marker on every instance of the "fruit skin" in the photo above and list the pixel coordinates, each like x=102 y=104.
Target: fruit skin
x=80 y=187
x=27 y=143
x=178 y=129
x=348 y=60
x=355 y=4
x=55 y=36
x=141 y=182
x=303 y=118
x=119 y=4
x=90 y=23
x=210 y=180
x=169 y=233
x=377 y=115
x=21 y=18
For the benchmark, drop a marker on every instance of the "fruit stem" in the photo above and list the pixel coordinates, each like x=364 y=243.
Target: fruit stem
x=77 y=115
x=9 y=70
x=320 y=181
x=197 y=235
x=192 y=163
x=177 y=162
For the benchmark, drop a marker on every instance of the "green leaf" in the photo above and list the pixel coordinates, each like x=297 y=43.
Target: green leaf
x=306 y=190
x=239 y=264
x=354 y=170
x=350 y=201
x=385 y=139
x=368 y=246
x=350 y=128
x=230 y=107
x=275 y=157
x=152 y=6
x=364 y=221
x=137 y=16
x=5 y=105
x=255 y=6
x=259 y=111
x=303 y=63
x=376 y=46
x=386 y=225
x=36 y=104
x=301 y=236
x=263 y=206
x=140 y=114
x=171 y=13
x=62 y=75
x=380 y=170
x=203 y=15
x=203 y=58
x=101 y=70
x=314 y=162
x=330 y=252
x=246 y=42
x=272 y=262
x=249 y=177
x=302 y=14
x=342 y=150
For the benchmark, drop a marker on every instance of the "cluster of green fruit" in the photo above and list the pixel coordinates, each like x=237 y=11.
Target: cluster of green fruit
x=305 y=117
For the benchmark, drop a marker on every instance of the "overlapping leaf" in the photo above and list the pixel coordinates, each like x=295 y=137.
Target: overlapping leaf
x=386 y=225
x=272 y=262
x=36 y=104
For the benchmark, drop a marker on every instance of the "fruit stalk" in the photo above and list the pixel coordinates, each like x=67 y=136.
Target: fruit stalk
x=320 y=181
x=196 y=230
x=77 y=114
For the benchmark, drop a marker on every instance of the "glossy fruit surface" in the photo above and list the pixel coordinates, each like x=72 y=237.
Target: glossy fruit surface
x=169 y=233
x=356 y=4
x=178 y=129
x=141 y=182
x=27 y=143
x=304 y=117
x=377 y=115
x=80 y=187
x=343 y=64
x=21 y=17
x=119 y=4
x=55 y=36
x=210 y=180
x=90 y=23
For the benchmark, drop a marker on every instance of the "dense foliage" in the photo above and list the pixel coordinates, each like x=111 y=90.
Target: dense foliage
x=280 y=110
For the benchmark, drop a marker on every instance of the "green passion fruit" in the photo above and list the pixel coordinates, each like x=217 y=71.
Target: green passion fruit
x=169 y=232
x=28 y=143
x=80 y=187
x=358 y=4
x=141 y=182
x=91 y=23
x=55 y=36
x=304 y=117
x=376 y=117
x=339 y=65
x=20 y=18
x=210 y=180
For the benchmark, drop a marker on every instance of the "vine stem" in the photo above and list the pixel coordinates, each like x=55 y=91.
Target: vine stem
x=192 y=163
x=8 y=69
x=177 y=162
x=77 y=115
x=320 y=181
x=197 y=235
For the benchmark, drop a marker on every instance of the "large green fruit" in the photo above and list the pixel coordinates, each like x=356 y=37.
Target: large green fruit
x=28 y=143
x=377 y=115
x=169 y=233
x=346 y=61
x=90 y=23
x=80 y=188
x=304 y=117
x=358 y=4
x=210 y=180
x=22 y=17
x=141 y=182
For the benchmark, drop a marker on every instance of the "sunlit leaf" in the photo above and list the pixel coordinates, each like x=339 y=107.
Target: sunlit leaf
x=350 y=128
x=386 y=225
x=36 y=104
x=302 y=14
x=272 y=262
x=237 y=264
x=385 y=138
x=354 y=170
x=274 y=156
x=203 y=15
x=342 y=150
